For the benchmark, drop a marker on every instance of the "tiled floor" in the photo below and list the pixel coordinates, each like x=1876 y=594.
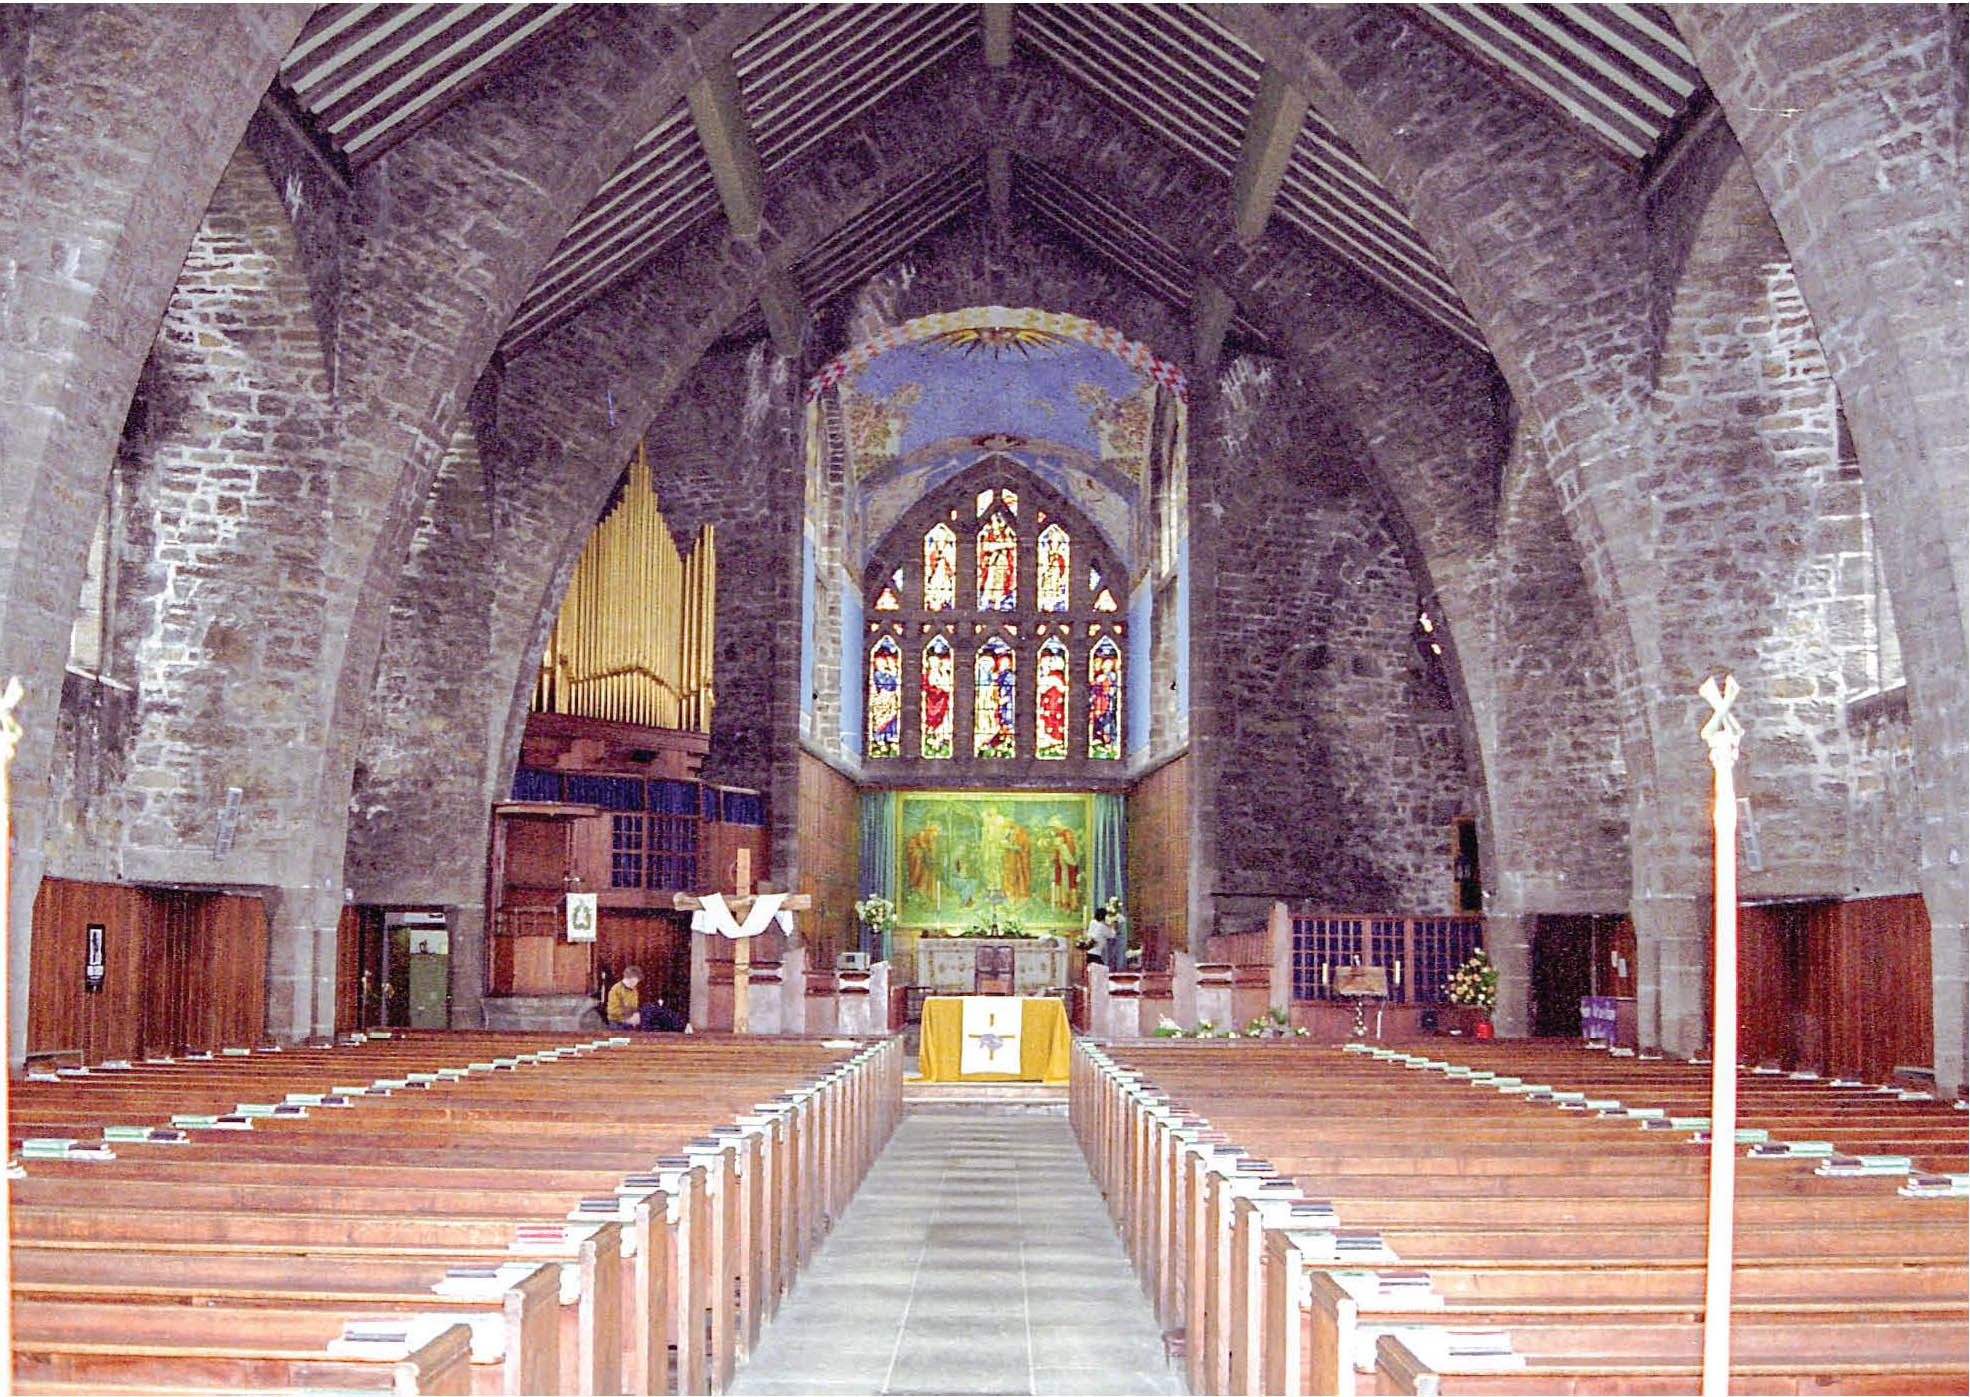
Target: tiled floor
x=977 y=1258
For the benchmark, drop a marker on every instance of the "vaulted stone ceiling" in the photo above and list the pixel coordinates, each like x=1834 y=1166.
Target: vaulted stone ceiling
x=364 y=78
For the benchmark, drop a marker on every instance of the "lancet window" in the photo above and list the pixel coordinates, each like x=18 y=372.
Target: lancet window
x=1022 y=662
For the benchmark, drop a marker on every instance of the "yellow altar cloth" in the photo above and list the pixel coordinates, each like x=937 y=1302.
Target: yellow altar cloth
x=1043 y=1043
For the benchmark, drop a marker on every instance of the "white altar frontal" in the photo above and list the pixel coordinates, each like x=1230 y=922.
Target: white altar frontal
x=1014 y=965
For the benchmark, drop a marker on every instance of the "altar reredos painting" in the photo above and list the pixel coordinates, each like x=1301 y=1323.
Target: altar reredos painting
x=999 y=375
x=965 y=856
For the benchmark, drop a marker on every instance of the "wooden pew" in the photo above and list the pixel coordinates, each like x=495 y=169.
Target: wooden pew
x=526 y=1304
x=440 y=1365
x=762 y=1197
x=1194 y=1225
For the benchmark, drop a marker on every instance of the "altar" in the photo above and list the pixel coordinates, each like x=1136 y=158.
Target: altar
x=992 y=965
x=993 y=1038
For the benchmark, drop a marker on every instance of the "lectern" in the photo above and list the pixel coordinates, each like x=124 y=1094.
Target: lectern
x=1361 y=983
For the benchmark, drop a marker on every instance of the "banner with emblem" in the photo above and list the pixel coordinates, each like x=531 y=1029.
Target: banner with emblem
x=581 y=916
x=992 y=1025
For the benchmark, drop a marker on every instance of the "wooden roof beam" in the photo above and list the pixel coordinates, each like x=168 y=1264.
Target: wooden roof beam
x=1211 y=310
x=784 y=310
x=719 y=114
x=720 y=118
x=998 y=34
x=1278 y=112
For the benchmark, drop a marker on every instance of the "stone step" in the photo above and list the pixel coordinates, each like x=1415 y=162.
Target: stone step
x=986 y=1098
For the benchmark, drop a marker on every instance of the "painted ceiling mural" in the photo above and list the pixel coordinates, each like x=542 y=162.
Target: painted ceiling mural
x=1072 y=401
x=992 y=377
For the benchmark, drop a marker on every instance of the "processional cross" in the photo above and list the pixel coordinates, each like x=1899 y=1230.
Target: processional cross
x=740 y=917
x=1722 y=733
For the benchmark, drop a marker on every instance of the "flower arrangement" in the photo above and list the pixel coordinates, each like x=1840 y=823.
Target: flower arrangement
x=877 y=913
x=1271 y=1024
x=1474 y=983
x=996 y=924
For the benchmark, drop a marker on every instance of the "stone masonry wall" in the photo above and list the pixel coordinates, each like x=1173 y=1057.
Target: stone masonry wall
x=1334 y=751
x=402 y=847
x=228 y=483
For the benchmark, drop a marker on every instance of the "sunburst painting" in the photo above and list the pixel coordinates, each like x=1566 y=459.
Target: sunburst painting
x=999 y=340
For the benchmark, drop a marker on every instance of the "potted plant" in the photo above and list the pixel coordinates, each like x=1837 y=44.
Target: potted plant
x=1474 y=985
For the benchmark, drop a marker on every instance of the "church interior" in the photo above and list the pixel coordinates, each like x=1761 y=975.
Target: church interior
x=1389 y=529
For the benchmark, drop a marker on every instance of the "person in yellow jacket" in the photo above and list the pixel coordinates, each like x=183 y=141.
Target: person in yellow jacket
x=624 y=1007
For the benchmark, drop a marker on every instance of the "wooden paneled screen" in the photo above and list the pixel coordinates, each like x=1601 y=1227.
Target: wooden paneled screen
x=1417 y=952
x=1841 y=988
x=181 y=970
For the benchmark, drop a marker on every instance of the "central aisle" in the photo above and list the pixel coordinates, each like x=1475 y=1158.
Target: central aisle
x=976 y=1258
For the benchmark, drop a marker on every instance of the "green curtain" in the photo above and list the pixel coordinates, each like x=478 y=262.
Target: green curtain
x=1109 y=856
x=878 y=875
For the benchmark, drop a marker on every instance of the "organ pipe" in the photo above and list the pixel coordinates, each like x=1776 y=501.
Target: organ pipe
x=633 y=640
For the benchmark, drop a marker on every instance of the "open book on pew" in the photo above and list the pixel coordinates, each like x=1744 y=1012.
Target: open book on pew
x=51 y=1147
x=1389 y=1290
x=1443 y=1349
x=1791 y=1149
x=486 y=1282
x=385 y=1340
x=1853 y=1166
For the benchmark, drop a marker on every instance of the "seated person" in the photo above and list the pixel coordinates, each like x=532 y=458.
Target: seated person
x=624 y=1008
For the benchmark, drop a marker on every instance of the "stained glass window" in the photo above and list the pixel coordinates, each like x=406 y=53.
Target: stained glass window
x=885 y=698
x=940 y=568
x=1105 y=699
x=938 y=677
x=998 y=564
x=1017 y=623
x=995 y=682
x=1050 y=730
x=1054 y=568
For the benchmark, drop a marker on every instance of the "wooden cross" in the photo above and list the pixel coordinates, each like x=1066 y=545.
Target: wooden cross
x=741 y=904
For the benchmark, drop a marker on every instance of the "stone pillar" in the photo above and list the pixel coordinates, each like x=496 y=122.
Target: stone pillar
x=301 y=925
x=1214 y=994
x=862 y=1001
x=1183 y=989
x=466 y=923
x=1508 y=941
x=793 y=990
x=1672 y=943
x=700 y=983
x=1279 y=940
x=26 y=871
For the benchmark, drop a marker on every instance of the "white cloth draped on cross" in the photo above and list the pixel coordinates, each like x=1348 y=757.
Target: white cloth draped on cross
x=714 y=914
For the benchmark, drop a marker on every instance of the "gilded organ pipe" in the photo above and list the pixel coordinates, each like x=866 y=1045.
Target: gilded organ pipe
x=633 y=640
